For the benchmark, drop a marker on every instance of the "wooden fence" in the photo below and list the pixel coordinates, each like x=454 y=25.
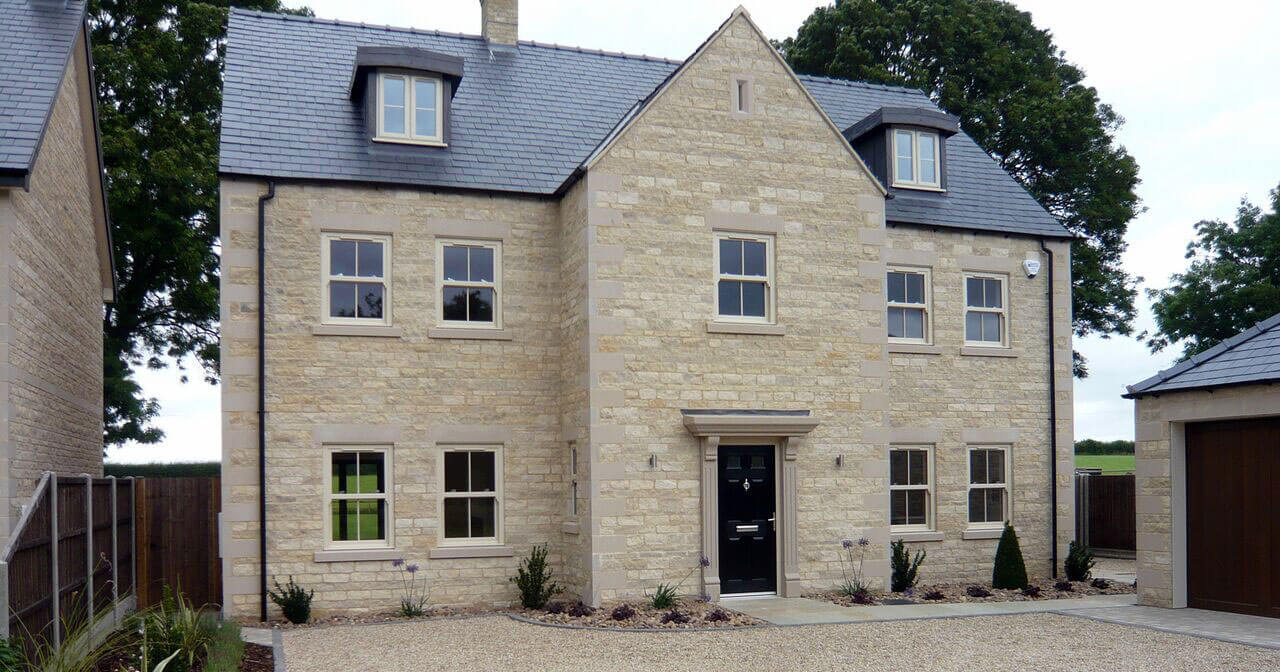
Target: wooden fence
x=70 y=558
x=178 y=539
x=1106 y=519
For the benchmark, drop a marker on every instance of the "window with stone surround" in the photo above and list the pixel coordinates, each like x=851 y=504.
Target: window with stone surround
x=471 y=497
x=744 y=277
x=911 y=488
x=908 y=299
x=358 y=499
x=357 y=279
x=469 y=275
x=986 y=310
x=988 y=486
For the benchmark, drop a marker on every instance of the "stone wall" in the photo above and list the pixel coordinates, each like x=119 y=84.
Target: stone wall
x=950 y=397
x=52 y=307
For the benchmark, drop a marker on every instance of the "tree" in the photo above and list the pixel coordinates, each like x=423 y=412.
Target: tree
x=158 y=70
x=1231 y=283
x=1009 y=571
x=1020 y=99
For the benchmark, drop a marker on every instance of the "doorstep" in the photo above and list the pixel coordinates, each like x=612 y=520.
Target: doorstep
x=804 y=611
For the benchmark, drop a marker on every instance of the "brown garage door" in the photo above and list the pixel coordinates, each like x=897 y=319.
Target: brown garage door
x=1233 y=516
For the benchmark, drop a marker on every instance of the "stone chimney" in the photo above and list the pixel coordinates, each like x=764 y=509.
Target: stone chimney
x=499 y=20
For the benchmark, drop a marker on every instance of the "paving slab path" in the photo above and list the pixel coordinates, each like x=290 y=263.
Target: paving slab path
x=804 y=611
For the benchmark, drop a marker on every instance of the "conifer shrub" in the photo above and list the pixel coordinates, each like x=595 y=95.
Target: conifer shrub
x=1010 y=571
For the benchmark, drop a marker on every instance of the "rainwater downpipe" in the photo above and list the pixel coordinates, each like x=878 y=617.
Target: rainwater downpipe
x=1052 y=415
x=262 y=393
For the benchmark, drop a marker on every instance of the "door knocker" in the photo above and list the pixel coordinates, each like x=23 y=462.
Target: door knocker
x=746 y=484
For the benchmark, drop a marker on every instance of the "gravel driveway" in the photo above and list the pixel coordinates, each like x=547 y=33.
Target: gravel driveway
x=1040 y=642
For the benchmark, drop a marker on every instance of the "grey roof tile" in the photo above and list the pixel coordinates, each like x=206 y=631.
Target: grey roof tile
x=35 y=43
x=1252 y=356
x=522 y=124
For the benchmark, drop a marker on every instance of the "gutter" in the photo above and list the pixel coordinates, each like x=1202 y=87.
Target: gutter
x=261 y=389
x=1052 y=416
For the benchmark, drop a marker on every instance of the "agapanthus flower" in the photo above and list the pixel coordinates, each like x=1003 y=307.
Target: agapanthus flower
x=864 y=542
x=397 y=562
x=847 y=544
x=704 y=561
x=412 y=569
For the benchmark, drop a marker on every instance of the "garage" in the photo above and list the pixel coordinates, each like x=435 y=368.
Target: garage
x=1207 y=478
x=1233 y=521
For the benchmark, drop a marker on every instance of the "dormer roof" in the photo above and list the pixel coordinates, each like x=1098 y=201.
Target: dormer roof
x=924 y=117
x=371 y=57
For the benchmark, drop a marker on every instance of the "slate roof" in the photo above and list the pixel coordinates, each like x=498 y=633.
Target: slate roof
x=35 y=45
x=1252 y=356
x=522 y=123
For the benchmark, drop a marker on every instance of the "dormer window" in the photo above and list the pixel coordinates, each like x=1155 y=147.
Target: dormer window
x=915 y=159
x=410 y=108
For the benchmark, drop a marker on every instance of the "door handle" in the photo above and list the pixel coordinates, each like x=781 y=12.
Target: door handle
x=747 y=528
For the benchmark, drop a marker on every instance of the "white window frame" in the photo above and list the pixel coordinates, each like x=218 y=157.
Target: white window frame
x=497 y=495
x=496 y=285
x=770 y=285
x=930 y=489
x=927 y=306
x=326 y=277
x=1007 y=486
x=917 y=136
x=388 y=494
x=1002 y=311
x=411 y=109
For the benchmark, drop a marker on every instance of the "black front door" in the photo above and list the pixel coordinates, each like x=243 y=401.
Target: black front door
x=748 y=559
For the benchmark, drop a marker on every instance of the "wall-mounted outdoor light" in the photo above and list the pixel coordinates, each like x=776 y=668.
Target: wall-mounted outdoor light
x=653 y=460
x=840 y=460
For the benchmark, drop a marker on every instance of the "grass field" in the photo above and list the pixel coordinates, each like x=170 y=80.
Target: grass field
x=1118 y=463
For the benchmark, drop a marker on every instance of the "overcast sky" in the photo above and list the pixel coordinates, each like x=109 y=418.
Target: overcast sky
x=1192 y=85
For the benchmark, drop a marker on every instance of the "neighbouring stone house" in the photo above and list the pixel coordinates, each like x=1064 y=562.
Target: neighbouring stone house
x=1207 y=448
x=634 y=309
x=55 y=251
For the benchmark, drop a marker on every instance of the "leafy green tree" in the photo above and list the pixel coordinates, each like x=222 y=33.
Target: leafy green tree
x=158 y=70
x=1020 y=99
x=1231 y=283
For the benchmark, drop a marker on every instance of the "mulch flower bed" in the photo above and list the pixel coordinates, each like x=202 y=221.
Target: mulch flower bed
x=687 y=614
x=257 y=658
x=376 y=617
x=940 y=593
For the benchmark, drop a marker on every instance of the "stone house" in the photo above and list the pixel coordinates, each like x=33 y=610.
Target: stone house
x=1207 y=449
x=55 y=251
x=635 y=309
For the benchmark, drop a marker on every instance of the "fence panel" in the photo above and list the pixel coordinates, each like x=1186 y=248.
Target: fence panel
x=178 y=539
x=63 y=562
x=1106 y=519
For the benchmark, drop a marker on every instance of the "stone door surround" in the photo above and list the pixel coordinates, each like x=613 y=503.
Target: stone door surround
x=784 y=429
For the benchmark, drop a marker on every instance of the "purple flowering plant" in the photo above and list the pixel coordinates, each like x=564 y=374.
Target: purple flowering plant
x=413 y=601
x=851 y=555
x=664 y=597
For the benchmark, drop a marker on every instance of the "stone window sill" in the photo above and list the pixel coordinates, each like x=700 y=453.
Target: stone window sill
x=749 y=328
x=443 y=552
x=922 y=535
x=915 y=348
x=357 y=555
x=979 y=351
x=471 y=334
x=570 y=527
x=983 y=533
x=355 y=330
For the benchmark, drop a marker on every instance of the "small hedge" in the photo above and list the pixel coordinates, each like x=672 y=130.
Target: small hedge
x=1010 y=571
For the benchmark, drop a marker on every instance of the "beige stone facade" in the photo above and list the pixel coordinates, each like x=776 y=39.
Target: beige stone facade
x=1160 y=448
x=53 y=280
x=608 y=333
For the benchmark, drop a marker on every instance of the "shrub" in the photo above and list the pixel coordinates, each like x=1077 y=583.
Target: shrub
x=293 y=600
x=933 y=595
x=176 y=627
x=853 y=584
x=977 y=591
x=580 y=610
x=555 y=607
x=904 y=566
x=1064 y=586
x=533 y=578
x=413 y=599
x=1100 y=584
x=622 y=612
x=1010 y=572
x=717 y=615
x=666 y=593
x=1079 y=563
x=227 y=649
x=1031 y=591
x=675 y=616
x=10 y=655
